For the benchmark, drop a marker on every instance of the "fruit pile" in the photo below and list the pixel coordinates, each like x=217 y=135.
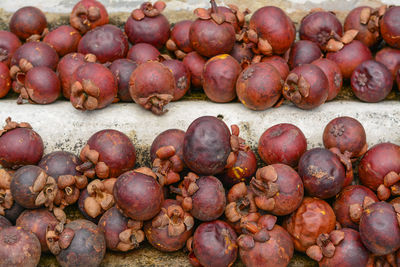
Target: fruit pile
x=258 y=62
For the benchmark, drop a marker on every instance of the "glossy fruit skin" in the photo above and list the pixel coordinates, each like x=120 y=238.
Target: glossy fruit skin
x=9 y=43
x=28 y=21
x=37 y=221
x=64 y=40
x=334 y=75
x=350 y=251
x=371 y=81
x=317 y=27
x=390 y=57
x=219 y=78
x=66 y=68
x=181 y=75
x=282 y=143
x=180 y=35
x=379 y=229
x=87 y=15
x=143 y=52
x=279 y=63
x=206 y=145
x=171 y=137
x=195 y=64
x=138 y=196
x=4 y=222
x=352 y=194
x=259 y=86
x=106 y=42
x=87 y=248
x=303 y=52
x=377 y=162
x=390 y=27
x=18 y=248
x=214 y=244
x=245 y=167
x=347 y=134
x=42 y=85
x=122 y=70
x=59 y=163
x=350 y=56
x=272 y=24
x=39 y=54
x=241 y=52
x=312 y=218
x=150 y=30
x=5 y=80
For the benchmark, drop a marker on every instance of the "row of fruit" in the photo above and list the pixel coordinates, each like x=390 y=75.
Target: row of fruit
x=258 y=62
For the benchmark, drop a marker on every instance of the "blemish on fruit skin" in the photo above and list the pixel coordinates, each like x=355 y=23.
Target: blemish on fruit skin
x=323 y=212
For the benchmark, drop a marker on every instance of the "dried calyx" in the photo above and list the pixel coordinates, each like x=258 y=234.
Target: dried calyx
x=69 y=186
x=371 y=17
x=46 y=189
x=6 y=199
x=59 y=238
x=336 y=42
x=355 y=210
x=82 y=17
x=17 y=73
x=91 y=165
x=84 y=95
x=100 y=197
x=155 y=102
x=241 y=207
x=325 y=246
x=175 y=218
x=148 y=9
x=186 y=190
x=37 y=37
x=262 y=45
x=385 y=260
x=167 y=165
x=346 y=161
x=131 y=237
x=264 y=187
x=237 y=144
x=390 y=186
x=296 y=87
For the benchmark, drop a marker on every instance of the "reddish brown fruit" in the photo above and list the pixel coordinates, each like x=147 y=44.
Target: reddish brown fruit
x=122 y=70
x=242 y=171
x=195 y=64
x=171 y=137
x=9 y=43
x=179 y=42
x=64 y=40
x=87 y=15
x=5 y=80
x=390 y=26
x=390 y=57
x=242 y=52
x=181 y=75
x=142 y=52
x=28 y=23
x=4 y=222
x=279 y=63
x=334 y=75
x=303 y=52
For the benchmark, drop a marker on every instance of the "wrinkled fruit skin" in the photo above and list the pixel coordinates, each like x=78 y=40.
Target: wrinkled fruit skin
x=350 y=56
x=66 y=68
x=322 y=173
x=282 y=143
x=390 y=57
x=347 y=134
x=180 y=35
x=352 y=194
x=5 y=80
x=42 y=85
x=241 y=52
x=4 y=222
x=181 y=75
x=379 y=229
x=28 y=21
x=371 y=81
x=106 y=42
x=142 y=52
x=64 y=40
x=195 y=64
x=390 y=27
x=206 y=146
x=9 y=43
x=171 y=137
x=214 y=244
x=219 y=78
x=87 y=15
x=37 y=221
x=122 y=70
x=259 y=86
x=303 y=52
x=39 y=54
x=138 y=196
x=312 y=218
x=244 y=168
x=87 y=248
x=377 y=162
x=334 y=75
x=317 y=27
x=272 y=24
x=18 y=248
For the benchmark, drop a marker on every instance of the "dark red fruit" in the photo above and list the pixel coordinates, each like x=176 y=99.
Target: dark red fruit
x=106 y=42
x=122 y=70
x=171 y=228
x=303 y=52
x=306 y=86
x=214 y=244
x=350 y=56
x=87 y=15
x=259 y=86
x=390 y=57
x=181 y=75
x=148 y=25
x=242 y=171
x=108 y=153
x=152 y=86
x=334 y=75
x=143 y=52
x=19 y=145
x=120 y=232
x=28 y=23
x=277 y=189
x=265 y=244
x=282 y=143
x=211 y=25
x=371 y=81
x=390 y=26
x=319 y=27
x=171 y=137
x=349 y=204
x=38 y=221
x=4 y=222
x=179 y=42
x=93 y=87
x=18 y=248
x=64 y=40
x=242 y=52
x=347 y=134
x=5 y=80
x=219 y=78
x=312 y=218
x=138 y=196
x=42 y=86
x=195 y=64
x=379 y=228
x=279 y=63
x=272 y=30
x=9 y=43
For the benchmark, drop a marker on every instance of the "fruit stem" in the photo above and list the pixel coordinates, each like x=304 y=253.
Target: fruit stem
x=214 y=8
